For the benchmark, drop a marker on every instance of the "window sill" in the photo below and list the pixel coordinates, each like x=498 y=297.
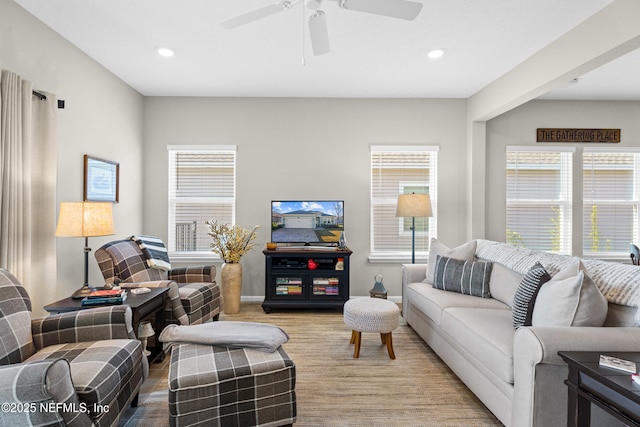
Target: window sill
x=195 y=257
x=391 y=258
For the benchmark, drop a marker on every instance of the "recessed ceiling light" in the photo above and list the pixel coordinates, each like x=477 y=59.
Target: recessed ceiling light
x=165 y=51
x=436 y=53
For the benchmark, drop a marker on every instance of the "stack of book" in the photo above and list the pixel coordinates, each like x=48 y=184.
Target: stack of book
x=104 y=296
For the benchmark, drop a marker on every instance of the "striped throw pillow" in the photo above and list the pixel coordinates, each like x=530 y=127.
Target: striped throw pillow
x=525 y=296
x=463 y=277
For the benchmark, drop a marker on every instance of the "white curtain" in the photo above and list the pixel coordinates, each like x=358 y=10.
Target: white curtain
x=28 y=167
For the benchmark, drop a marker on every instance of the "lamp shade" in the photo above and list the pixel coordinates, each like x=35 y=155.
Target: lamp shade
x=85 y=219
x=413 y=205
x=145 y=330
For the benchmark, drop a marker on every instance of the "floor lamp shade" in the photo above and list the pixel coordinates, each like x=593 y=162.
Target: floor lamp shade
x=85 y=219
x=413 y=205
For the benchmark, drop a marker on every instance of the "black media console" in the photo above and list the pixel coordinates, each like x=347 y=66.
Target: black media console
x=299 y=278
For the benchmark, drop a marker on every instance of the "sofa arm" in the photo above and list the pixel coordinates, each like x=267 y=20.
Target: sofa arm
x=94 y=324
x=200 y=274
x=539 y=372
x=40 y=393
x=411 y=273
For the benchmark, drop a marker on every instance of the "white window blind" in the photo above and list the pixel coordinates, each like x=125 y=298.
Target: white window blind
x=611 y=197
x=539 y=193
x=202 y=186
x=401 y=170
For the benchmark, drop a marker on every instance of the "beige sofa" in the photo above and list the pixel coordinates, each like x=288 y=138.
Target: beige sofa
x=517 y=373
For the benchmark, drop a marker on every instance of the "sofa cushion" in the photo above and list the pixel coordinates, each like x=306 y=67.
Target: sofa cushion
x=526 y=294
x=486 y=334
x=503 y=283
x=462 y=252
x=570 y=300
x=463 y=277
x=100 y=370
x=432 y=301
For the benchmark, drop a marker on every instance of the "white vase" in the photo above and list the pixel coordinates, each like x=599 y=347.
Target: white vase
x=231 y=283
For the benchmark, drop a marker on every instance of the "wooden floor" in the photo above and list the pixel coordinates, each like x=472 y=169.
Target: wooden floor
x=334 y=389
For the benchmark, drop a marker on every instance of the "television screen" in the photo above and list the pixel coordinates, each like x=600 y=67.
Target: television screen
x=306 y=221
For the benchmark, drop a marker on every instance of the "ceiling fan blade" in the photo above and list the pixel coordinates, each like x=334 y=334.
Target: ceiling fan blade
x=254 y=15
x=403 y=9
x=319 y=33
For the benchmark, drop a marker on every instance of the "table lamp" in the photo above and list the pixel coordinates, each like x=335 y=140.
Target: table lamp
x=85 y=219
x=145 y=331
x=413 y=205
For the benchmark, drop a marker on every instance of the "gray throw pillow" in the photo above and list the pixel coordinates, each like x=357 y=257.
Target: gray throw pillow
x=524 y=300
x=466 y=251
x=463 y=277
x=570 y=301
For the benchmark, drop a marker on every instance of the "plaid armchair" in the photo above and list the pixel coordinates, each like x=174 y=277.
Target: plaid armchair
x=78 y=369
x=194 y=295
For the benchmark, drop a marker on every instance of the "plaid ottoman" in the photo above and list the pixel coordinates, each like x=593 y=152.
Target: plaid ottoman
x=222 y=386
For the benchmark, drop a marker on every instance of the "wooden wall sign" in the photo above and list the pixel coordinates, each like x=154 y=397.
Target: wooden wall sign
x=577 y=135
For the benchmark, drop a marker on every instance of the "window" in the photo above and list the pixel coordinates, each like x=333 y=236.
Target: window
x=611 y=197
x=201 y=187
x=539 y=198
x=397 y=170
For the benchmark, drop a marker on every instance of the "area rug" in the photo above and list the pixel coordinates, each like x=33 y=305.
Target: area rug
x=334 y=389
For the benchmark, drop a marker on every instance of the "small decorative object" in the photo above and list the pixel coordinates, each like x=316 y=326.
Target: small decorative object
x=101 y=180
x=271 y=246
x=145 y=331
x=342 y=242
x=378 y=290
x=231 y=242
x=312 y=264
x=340 y=264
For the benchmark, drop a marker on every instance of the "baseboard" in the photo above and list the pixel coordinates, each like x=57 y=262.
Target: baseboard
x=248 y=298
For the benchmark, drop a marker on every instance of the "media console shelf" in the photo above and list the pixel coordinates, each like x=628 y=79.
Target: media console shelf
x=293 y=281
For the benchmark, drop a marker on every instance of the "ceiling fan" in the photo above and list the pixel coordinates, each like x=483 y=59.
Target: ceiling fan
x=403 y=9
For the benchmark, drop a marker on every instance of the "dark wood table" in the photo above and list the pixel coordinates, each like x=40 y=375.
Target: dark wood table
x=149 y=306
x=610 y=389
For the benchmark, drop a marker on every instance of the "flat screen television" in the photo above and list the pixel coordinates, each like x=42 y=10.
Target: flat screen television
x=307 y=222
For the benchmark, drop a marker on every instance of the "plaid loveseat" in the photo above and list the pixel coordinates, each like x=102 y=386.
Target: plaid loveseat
x=78 y=369
x=194 y=295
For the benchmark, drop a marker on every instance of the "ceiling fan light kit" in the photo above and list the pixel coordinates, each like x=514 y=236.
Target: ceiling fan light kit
x=319 y=33
x=402 y=9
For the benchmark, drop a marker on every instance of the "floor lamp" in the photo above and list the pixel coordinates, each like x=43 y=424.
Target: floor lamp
x=413 y=205
x=85 y=219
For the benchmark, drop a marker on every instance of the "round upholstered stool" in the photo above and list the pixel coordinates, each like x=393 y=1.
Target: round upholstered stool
x=371 y=315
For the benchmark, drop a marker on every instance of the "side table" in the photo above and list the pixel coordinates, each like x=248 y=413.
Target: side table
x=149 y=306
x=610 y=389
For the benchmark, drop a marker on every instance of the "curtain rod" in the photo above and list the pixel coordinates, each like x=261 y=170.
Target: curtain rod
x=41 y=96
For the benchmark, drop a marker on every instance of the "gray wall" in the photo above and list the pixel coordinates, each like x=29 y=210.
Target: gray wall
x=518 y=127
x=103 y=118
x=307 y=149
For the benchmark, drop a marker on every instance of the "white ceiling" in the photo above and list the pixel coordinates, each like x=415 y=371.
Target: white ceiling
x=371 y=56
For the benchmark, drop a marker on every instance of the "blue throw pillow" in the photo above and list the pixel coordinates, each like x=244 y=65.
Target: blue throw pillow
x=463 y=277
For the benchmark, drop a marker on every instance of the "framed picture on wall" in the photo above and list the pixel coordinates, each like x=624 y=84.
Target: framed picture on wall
x=101 y=180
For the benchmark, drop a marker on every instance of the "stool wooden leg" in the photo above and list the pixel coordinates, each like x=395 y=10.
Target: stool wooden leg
x=383 y=338
x=356 y=351
x=353 y=337
x=387 y=340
